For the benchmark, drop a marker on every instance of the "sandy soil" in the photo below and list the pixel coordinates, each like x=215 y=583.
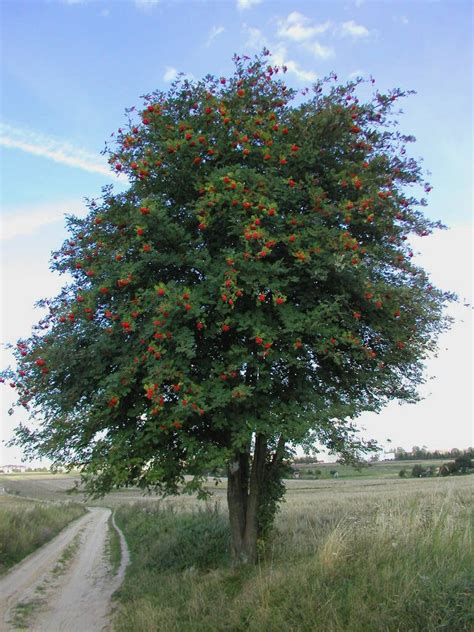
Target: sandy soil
x=67 y=585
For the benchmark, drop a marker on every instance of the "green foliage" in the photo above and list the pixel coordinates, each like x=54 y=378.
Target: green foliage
x=464 y=463
x=255 y=278
x=114 y=550
x=163 y=540
x=418 y=471
x=422 y=453
x=272 y=493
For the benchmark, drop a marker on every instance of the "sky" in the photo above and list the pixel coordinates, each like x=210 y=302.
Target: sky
x=69 y=69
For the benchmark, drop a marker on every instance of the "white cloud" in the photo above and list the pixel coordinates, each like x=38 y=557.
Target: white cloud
x=255 y=38
x=351 y=29
x=320 y=51
x=247 y=4
x=213 y=33
x=61 y=152
x=447 y=256
x=355 y=73
x=300 y=73
x=292 y=66
x=170 y=74
x=28 y=220
x=146 y=4
x=298 y=27
x=443 y=420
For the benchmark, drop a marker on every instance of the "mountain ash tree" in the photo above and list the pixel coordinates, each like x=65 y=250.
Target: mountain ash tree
x=251 y=290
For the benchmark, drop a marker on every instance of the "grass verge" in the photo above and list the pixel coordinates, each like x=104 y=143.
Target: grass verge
x=27 y=525
x=379 y=563
x=113 y=550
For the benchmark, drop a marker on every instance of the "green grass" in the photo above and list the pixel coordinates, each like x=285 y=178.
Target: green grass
x=113 y=550
x=67 y=555
x=382 y=469
x=23 y=613
x=169 y=540
x=350 y=557
x=26 y=525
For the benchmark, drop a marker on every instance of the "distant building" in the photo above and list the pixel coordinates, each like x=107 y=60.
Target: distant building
x=388 y=456
x=11 y=469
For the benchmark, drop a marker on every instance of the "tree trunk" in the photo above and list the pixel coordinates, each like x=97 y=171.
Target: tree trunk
x=237 y=482
x=244 y=490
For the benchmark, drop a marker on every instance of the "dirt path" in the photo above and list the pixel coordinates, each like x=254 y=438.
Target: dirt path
x=67 y=585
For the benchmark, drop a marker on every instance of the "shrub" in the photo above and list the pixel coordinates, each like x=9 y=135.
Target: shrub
x=160 y=538
x=418 y=471
x=463 y=463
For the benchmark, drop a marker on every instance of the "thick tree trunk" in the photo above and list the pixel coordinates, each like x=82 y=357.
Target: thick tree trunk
x=237 y=484
x=244 y=489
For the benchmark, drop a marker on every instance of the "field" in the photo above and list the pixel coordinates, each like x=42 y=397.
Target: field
x=382 y=469
x=353 y=554
x=26 y=525
x=347 y=556
x=54 y=487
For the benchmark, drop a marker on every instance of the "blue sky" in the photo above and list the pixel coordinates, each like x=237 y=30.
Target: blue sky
x=69 y=68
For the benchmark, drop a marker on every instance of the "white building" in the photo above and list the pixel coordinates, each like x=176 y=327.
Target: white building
x=11 y=469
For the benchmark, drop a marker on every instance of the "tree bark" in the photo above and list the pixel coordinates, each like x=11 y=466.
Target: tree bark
x=244 y=489
x=255 y=492
x=237 y=484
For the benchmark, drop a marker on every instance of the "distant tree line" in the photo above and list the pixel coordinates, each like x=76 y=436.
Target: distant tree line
x=462 y=464
x=305 y=460
x=401 y=454
x=418 y=453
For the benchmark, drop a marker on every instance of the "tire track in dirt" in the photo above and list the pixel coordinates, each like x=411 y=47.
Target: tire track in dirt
x=78 y=599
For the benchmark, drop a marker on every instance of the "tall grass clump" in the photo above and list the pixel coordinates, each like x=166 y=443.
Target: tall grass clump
x=165 y=540
x=25 y=526
x=374 y=562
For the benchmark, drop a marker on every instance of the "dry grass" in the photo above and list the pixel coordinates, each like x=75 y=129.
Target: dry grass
x=26 y=525
x=354 y=557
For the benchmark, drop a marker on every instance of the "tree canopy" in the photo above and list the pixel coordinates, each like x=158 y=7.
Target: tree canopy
x=253 y=288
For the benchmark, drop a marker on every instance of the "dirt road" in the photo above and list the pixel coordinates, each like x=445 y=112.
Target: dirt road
x=66 y=586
